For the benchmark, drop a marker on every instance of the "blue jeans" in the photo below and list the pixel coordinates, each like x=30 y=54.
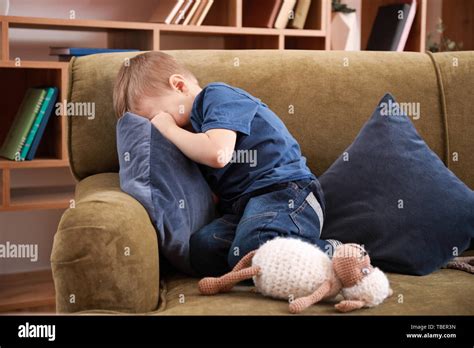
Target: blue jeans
x=285 y=210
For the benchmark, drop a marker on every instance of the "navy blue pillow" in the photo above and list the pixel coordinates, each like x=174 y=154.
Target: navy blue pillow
x=390 y=192
x=168 y=184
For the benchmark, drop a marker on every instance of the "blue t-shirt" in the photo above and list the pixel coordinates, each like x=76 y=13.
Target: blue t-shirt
x=265 y=151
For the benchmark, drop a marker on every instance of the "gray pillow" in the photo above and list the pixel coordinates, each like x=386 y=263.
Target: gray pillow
x=168 y=184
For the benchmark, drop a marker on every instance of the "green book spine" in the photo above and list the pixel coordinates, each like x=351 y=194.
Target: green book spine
x=36 y=124
x=22 y=123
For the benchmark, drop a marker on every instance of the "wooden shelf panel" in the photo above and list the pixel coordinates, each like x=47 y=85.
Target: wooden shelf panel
x=65 y=24
x=27 y=292
x=36 y=163
x=304 y=43
x=52 y=195
x=174 y=41
x=98 y=25
x=29 y=64
x=207 y=29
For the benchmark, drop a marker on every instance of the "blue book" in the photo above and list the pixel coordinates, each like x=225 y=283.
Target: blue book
x=48 y=110
x=84 y=51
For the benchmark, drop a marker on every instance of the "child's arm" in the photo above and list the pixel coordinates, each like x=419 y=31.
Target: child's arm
x=213 y=148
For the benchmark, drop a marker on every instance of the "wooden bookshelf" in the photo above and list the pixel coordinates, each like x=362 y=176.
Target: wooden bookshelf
x=224 y=21
x=222 y=29
x=52 y=152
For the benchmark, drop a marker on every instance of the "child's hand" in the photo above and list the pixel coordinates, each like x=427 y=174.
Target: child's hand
x=163 y=121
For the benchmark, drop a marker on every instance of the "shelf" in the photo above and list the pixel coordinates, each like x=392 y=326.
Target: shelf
x=304 y=43
x=90 y=24
x=174 y=41
x=31 y=198
x=27 y=292
x=239 y=31
x=223 y=31
x=36 y=163
x=33 y=74
x=28 y=64
x=67 y=24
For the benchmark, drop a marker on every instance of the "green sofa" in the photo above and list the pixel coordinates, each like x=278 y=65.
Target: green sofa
x=105 y=254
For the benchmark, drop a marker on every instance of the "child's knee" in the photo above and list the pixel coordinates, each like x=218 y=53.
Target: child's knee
x=208 y=254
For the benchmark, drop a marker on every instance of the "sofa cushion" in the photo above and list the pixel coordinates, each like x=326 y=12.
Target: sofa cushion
x=168 y=184
x=444 y=292
x=390 y=192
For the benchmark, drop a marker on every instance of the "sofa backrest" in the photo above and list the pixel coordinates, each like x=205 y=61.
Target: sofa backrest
x=323 y=97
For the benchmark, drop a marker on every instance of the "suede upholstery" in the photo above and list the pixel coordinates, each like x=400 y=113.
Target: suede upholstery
x=332 y=94
x=105 y=252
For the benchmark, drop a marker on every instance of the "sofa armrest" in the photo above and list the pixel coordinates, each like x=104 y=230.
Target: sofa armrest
x=105 y=252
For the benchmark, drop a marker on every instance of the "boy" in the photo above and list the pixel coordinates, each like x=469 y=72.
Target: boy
x=247 y=156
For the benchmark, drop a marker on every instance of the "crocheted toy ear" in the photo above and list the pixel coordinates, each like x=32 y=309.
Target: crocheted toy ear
x=349 y=305
x=242 y=270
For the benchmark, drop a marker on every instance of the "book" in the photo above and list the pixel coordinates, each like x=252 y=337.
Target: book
x=198 y=12
x=84 y=51
x=201 y=16
x=260 y=13
x=181 y=15
x=166 y=10
x=388 y=27
x=284 y=15
x=407 y=28
x=301 y=13
x=16 y=137
x=191 y=12
x=36 y=132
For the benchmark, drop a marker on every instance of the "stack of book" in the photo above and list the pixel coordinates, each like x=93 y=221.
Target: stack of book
x=66 y=53
x=278 y=14
x=24 y=136
x=185 y=12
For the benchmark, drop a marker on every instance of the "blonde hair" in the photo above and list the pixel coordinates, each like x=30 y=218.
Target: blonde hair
x=146 y=75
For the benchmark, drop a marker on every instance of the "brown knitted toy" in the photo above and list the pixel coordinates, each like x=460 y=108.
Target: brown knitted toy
x=349 y=271
x=462 y=263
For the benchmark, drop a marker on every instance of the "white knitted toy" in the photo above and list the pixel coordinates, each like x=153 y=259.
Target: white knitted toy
x=294 y=270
